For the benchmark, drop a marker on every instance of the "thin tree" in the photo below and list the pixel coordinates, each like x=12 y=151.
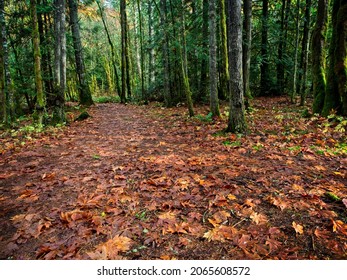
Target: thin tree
x=204 y=45
x=265 y=86
x=83 y=88
x=237 y=122
x=304 y=54
x=318 y=56
x=246 y=49
x=296 y=53
x=40 y=104
x=59 y=61
x=224 y=75
x=214 y=105
x=142 y=74
x=113 y=52
x=184 y=63
x=6 y=86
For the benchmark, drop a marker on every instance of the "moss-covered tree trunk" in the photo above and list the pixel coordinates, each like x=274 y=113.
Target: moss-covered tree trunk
x=8 y=113
x=265 y=86
x=184 y=63
x=246 y=49
x=59 y=62
x=336 y=82
x=302 y=82
x=237 y=122
x=214 y=104
x=204 y=60
x=165 y=53
x=224 y=75
x=40 y=103
x=83 y=88
x=318 y=56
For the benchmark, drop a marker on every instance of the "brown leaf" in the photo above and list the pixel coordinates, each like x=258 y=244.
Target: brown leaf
x=298 y=228
x=344 y=201
x=258 y=218
x=273 y=244
x=339 y=226
x=322 y=234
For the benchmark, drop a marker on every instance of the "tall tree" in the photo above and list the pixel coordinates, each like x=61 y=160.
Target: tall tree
x=151 y=52
x=83 y=88
x=113 y=51
x=184 y=63
x=237 y=122
x=296 y=52
x=264 y=67
x=246 y=48
x=165 y=53
x=214 y=105
x=304 y=53
x=8 y=113
x=142 y=74
x=282 y=46
x=335 y=97
x=224 y=75
x=59 y=61
x=204 y=60
x=126 y=82
x=318 y=56
x=40 y=104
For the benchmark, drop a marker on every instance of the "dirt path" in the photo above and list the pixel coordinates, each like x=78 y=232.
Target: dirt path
x=140 y=183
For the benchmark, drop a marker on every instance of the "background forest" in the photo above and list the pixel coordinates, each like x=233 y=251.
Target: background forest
x=113 y=136
x=172 y=51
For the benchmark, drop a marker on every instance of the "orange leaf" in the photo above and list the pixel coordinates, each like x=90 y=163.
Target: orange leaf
x=298 y=228
x=258 y=218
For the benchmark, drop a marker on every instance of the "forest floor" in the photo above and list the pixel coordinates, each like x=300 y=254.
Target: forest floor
x=144 y=182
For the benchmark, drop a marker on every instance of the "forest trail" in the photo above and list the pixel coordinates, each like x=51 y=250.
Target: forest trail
x=146 y=183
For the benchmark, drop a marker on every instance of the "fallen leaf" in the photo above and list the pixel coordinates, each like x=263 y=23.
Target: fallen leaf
x=298 y=228
x=258 y=218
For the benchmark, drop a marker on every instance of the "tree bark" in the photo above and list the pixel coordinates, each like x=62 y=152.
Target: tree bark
x=40 y=104
x=318 y=56
x=7 y=81
x=246 y=49
x=237 y=122
x=83 y=88
x=60 y=61
x=214 y=105
x=265 y=87
x=204 y=62
x=224 y=77
x=304 y=53
x=335 y=97
x=183 y=52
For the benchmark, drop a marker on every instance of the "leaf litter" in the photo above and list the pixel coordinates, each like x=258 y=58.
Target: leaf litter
x=147 y=183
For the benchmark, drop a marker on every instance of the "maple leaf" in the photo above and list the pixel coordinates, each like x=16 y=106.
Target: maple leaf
x=169 y=216
x=298 y=228
x=273 y=244
x=278 y=203
x=258 y=218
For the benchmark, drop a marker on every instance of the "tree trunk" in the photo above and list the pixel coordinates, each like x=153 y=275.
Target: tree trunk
x=40 y=104
x=151 y=53
x=296 y=51
x=335 y=97
x=318 y=56
x=126 y=83
x=214 y=105
x=60 y=62
x=113 y=53
x=282 y=46
x=204 y=62
x=143 y=92
x=165 y=50
x=304 y=53
x=183 y=52
x=84 y=91
x=237 y=122
x=246 y=48
x=265 y=86
x=224 y=77
x=7 y=81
